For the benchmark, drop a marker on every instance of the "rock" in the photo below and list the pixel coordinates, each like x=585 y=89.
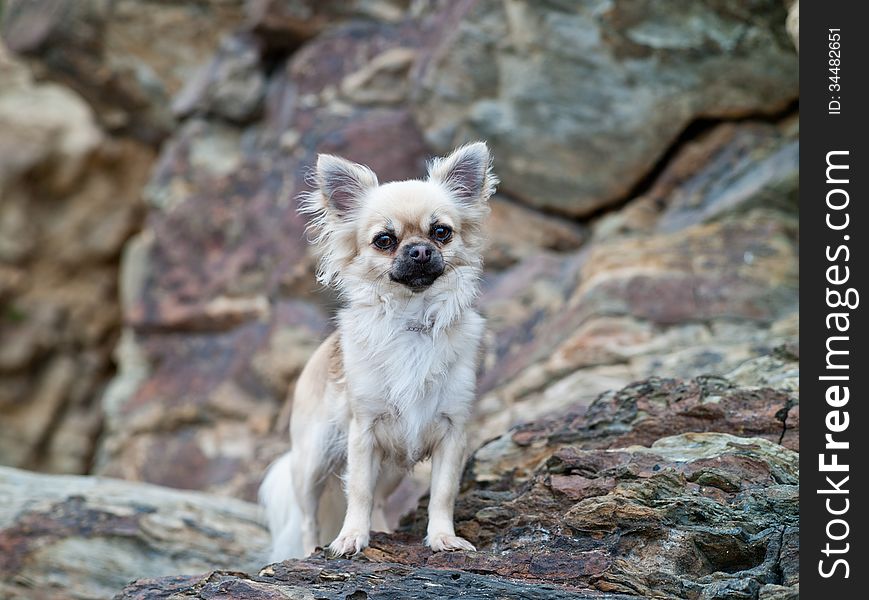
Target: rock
x=691 y=516
x=779 y=371
x=356 y=580
x=728 y=170
x=778 y=592
x=517 y=232
x=628 y=308
x=676 y=283
x=106 y=51
x=642 y=413
x=352 y=65
x=69 y=199
x=285 y=24
x=382 y=81
x=579 y=134
x=87 y=537
x=41 y=124
x=196 y=409
x=232 y=86
x=693 y=274
x=697 y=515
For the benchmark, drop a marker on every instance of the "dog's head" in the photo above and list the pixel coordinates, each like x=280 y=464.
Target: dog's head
x=403 y=236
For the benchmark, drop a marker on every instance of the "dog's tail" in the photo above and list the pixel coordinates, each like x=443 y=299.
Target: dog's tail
x=284 y=518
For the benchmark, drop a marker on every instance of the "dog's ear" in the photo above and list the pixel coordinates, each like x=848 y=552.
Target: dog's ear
x=343 y=184
x=466 y=173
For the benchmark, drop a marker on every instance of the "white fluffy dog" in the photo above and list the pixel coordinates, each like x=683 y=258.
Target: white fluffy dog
x=395 y=383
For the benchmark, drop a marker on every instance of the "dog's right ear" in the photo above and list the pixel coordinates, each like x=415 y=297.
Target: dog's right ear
x=343 y=184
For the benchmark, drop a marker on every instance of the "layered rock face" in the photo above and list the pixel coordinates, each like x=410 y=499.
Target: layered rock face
x=619 y=503
x=158 y=299
x=69 y=200
x=84 y=96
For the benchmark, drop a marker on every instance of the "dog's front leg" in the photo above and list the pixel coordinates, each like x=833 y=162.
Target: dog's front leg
x=446 y=469
x=363 y=466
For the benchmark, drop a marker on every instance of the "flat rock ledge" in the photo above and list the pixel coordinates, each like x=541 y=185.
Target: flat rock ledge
x=666 y=489
x=70 y=537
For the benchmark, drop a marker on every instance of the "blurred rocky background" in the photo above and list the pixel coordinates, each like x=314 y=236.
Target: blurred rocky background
x=157 y=298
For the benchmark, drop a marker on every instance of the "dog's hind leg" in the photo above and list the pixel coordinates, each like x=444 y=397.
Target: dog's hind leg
x=310 y=470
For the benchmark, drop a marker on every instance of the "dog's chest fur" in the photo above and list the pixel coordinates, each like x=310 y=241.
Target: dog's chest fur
x=407 y=378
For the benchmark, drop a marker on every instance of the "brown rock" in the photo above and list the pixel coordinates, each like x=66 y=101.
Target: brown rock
x=285 y=24
x=641 y=298
x=195 y=410
x=701 y=300
x=232 y=86
x=106 y=51
x=640 y=414
x=517 y=232
x=729 y=170
x=69 y=200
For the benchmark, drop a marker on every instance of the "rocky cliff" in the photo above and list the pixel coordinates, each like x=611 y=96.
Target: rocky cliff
x=157 y=298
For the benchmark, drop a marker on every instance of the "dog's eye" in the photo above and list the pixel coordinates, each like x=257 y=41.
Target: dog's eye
x=441 y=233
x=384 y=241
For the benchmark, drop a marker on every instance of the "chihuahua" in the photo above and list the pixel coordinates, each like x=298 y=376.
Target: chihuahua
x=394 y=384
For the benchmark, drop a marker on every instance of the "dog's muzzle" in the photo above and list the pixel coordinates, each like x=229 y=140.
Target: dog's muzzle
x=417 y=266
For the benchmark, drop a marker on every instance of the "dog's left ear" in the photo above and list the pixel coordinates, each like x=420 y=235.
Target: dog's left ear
x=466 y=173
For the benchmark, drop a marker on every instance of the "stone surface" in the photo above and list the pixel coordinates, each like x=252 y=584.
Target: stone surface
x=286 y=24
x=516 y=232
x=316 y=579
x=69 y=200
x=697 y=515
x=126 y=57
x=646 y=231
x=196 y=409
x=232 y=86
x=87 y=537
x=727 y=170
x=693 y=277
x=643 y=412
x=694 y=516
x=577 y=120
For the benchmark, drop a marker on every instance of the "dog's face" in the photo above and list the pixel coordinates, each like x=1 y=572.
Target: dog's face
x=406 y=236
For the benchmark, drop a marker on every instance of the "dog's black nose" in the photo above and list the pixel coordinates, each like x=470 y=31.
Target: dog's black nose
x=420 y=253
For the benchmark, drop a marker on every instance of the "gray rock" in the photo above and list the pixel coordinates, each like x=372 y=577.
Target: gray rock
x=87 y=537
x=580 y=100
x=232 y=86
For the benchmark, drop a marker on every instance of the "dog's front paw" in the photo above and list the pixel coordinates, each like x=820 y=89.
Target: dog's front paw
x=440 y=542
x=350 y=542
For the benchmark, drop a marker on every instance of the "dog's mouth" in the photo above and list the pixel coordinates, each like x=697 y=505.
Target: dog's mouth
x=416 y=279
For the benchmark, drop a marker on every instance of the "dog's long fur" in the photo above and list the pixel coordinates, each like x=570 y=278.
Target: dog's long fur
x=395 y=383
